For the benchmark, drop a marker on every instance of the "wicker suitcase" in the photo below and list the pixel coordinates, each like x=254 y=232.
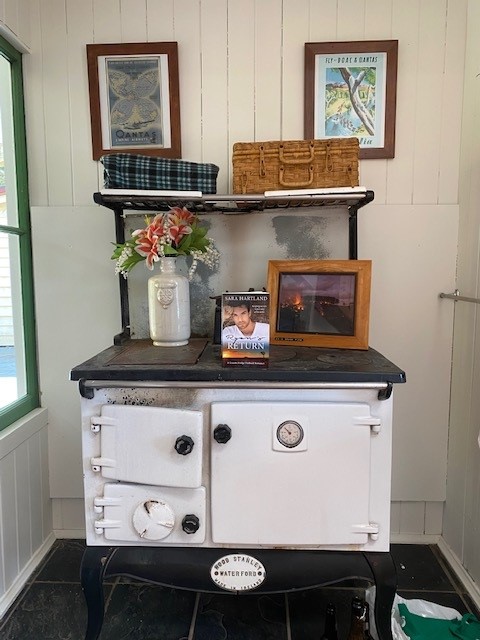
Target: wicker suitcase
x=295 y=164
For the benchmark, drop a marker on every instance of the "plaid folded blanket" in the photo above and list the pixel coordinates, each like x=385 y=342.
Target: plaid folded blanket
x=131 y=171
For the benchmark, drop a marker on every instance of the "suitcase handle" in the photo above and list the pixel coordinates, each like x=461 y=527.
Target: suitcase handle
x=295 y=184
x=285 y=160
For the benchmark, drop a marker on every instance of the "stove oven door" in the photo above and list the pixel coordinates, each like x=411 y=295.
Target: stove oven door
x=145 y=514
x=291 y=473
x=149 y=445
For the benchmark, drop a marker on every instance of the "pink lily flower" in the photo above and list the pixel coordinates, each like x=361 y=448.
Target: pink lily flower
x=178 y=216
x=178 y=232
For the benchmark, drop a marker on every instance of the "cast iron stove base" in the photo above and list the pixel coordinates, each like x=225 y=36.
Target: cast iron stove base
x=189 y=568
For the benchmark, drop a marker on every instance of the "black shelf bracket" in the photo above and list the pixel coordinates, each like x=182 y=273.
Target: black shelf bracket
x=384 y=394
x=85 y=392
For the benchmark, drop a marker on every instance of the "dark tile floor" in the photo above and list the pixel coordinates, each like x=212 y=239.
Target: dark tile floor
x=52 y=607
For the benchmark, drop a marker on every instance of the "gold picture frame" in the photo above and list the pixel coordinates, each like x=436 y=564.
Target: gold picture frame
x=319 y=303
x=134 y=99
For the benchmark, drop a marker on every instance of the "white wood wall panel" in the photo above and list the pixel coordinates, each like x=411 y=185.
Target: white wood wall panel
x=464 y=491
x=57 y=113
x=187 y=32
x=411 y=521
x=23 y=484
x=461 y=525
x=412 y=517
x=11 y=16
x=9 y=519
x=460 y=416
x=400 y=171
x=15 y=15
x=241 y=72
x=25 y=505
x=434 y=518
x=378 y=18
x=133 y=18
x=394 y=518
x=106 y=21
x=45 y=485
x=160 y=22
x=421 y=406
x=428 y=91
x=84 y=169
x=36 y=464
x=472 y=468
x=295 y=34
x=268 y=70
x=35 y=113
x=351 y=20
x=452 y=103
x=322 y=23
x=23 y=9
x=214 y=101
x=77 y=334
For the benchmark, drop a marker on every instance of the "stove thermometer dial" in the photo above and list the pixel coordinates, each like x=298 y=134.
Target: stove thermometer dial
x=290 y=434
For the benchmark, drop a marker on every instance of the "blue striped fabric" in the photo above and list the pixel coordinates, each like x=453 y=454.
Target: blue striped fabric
x=131 y=171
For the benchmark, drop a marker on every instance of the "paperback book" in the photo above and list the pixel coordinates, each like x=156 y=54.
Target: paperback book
x=245 y=329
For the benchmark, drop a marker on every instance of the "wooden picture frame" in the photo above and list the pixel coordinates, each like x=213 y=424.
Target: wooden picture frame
x=319 y=303
x=134 y=98
x=351 y=91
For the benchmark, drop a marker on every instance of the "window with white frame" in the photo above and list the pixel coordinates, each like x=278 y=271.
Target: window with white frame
x=18 y=362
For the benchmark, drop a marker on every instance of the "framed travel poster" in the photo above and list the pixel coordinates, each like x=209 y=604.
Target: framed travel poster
x=350 y=91
x=134 y=98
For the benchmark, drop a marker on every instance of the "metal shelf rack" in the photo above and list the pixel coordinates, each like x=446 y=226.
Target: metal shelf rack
x=121 y=203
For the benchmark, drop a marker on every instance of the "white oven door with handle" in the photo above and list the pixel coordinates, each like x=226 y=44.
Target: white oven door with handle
x=149 y=445
x=286 y=473
x=143 y=514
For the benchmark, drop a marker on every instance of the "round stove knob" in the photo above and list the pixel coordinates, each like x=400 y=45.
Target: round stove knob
x=222 y=433
x=190 y=523
x=153 y=519
x=184 y=445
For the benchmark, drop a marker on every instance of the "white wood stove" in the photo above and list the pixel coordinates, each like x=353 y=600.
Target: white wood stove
x=237 y=481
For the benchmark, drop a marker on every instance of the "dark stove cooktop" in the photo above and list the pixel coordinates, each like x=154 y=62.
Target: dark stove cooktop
x=200 y=361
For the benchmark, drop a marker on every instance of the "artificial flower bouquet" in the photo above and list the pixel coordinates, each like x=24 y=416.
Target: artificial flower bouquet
x=177 y=232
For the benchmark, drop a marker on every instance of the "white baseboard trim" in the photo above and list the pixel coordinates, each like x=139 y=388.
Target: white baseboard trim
x=70 y=534
x=414 y=538
x=12 y=592
x=473 y=589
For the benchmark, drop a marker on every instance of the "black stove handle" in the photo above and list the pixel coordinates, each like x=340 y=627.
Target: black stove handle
x=184 y=445
x=190 y=523
x=222 y=433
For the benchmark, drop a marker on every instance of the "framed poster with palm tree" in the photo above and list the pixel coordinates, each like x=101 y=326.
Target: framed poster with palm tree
x=350 y=91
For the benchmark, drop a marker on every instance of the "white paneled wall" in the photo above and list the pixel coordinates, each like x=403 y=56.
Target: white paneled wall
x=15 y=22
x=25 y=505
x=462 y=510
x=416 y=521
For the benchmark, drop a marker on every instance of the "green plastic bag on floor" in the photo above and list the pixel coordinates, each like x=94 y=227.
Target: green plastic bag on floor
x=419 y=628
